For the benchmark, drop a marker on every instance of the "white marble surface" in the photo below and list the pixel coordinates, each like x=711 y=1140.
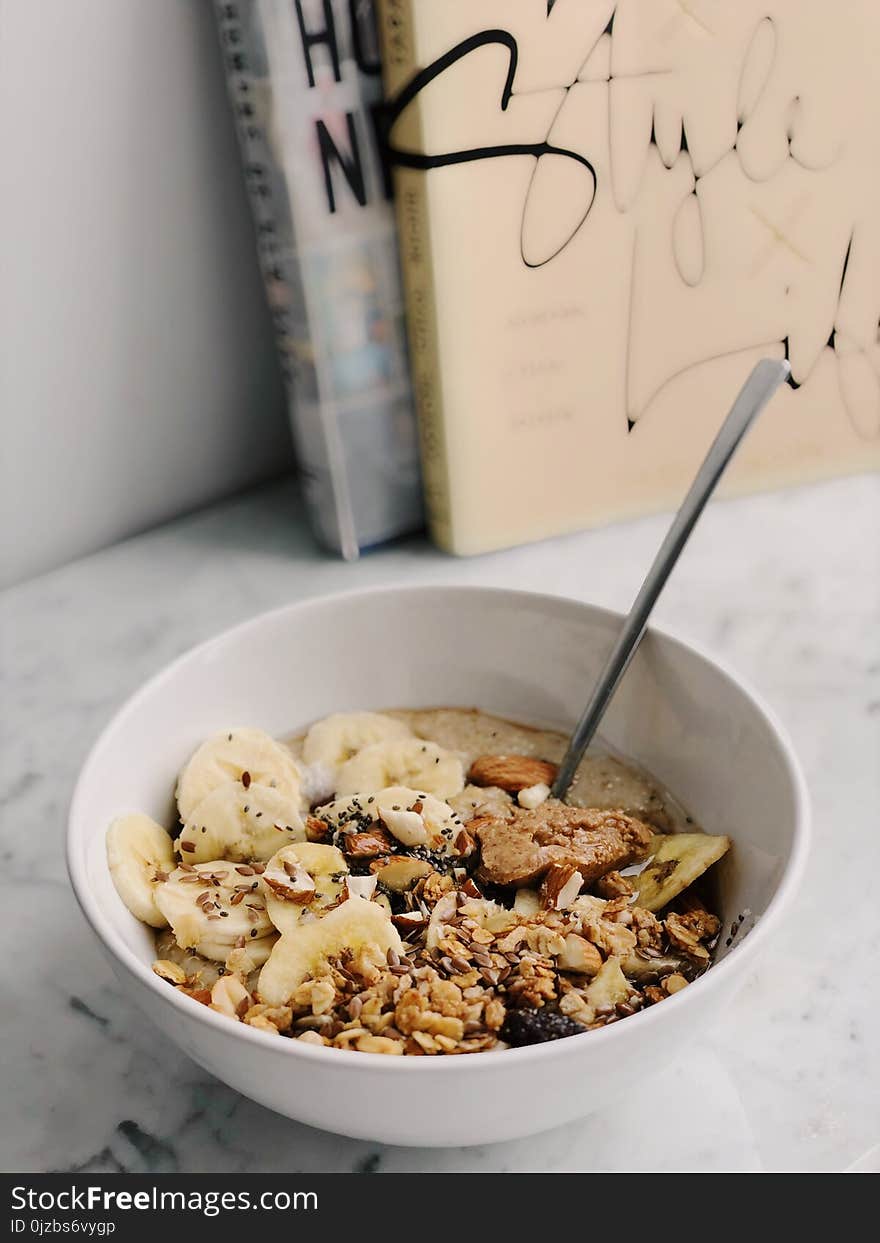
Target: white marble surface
x=785 y=587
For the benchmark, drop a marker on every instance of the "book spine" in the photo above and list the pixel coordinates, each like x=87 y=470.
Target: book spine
x=399 y=38
x=319 y=453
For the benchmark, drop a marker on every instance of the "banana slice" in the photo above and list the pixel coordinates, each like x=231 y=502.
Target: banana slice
x=240 y=824
x=337 y=738
x=245 y=755
x=414 y=817
x=355 y=925
x=677 y=862
x=302 y=877
x=212 y=907
x=139 y=855
x=411 y=762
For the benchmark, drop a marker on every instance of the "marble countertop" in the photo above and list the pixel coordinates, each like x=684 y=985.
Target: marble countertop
x=784 y=587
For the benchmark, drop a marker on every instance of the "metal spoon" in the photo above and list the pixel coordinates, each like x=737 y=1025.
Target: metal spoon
x=766 y=378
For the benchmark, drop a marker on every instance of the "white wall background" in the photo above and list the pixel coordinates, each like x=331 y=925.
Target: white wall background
x=137 y=374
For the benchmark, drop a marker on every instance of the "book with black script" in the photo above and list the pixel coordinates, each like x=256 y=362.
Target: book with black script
x=608 y=211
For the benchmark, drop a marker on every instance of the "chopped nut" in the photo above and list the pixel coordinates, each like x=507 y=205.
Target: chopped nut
x=262 y=1024
x=674 y=983
x=292 y=884
x=323 y=996
x=378 y=1044
x=201 y=995
x=511 y=772
x=510 y=943
x=464 y=844
x=493 y=1015
x=701 y=923
x=400 y=873
x=647 y=928
x=368 y=845
x=170 y=971
x=228 y=994
x=407 y=826
x=613 y=885
x=684 y=934
x=310 y=1037
x=409 y=922
x=613 y=939
x=279 y=1018
x=579 y=955
x=561 y=885
x=533 y=796
x=360 y=886
x=317 y=830
x=436 y=885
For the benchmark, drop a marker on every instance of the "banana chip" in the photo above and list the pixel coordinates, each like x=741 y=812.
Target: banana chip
x=677 y=862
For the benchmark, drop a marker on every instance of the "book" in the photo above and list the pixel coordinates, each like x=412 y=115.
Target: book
x=608 y=211
x=305 y=81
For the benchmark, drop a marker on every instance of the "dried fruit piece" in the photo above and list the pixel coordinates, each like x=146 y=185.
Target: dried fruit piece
x=523 y=1027
x=511 y=772
x=678 y=860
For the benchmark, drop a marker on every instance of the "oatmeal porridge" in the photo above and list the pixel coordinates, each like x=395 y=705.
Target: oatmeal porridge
x=404 y=883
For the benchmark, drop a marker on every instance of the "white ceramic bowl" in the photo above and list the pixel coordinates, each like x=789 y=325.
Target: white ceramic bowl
x=530 y=657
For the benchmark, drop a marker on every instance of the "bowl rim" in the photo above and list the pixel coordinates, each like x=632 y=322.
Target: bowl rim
x=345 y=1059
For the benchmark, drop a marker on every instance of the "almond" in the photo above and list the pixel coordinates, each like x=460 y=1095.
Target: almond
x=401 y=873
x=369 y=844
x=294 y=884
x=511 y=772
x=464 y=844
x=561 y=885
x=317 y=830
x=409 y=921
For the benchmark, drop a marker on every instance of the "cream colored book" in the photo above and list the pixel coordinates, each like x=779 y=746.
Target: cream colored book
x=607 y=213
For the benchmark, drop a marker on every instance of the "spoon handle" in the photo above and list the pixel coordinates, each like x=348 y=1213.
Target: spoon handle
x=765 y=379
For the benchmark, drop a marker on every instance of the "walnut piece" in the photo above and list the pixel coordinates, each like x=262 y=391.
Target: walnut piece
x=523 y=846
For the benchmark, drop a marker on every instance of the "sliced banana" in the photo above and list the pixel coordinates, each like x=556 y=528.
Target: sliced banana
x=139 y=854
x=240 y=824
x=303 y=951
x=337 y=738
x=677 y=862
x=242 y=755
x=304 y=876
x=412 y=762
x=212 y=907
x=414 y=817
x=481 y=801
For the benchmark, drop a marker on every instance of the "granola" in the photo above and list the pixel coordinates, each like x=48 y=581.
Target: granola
x=443 y=904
